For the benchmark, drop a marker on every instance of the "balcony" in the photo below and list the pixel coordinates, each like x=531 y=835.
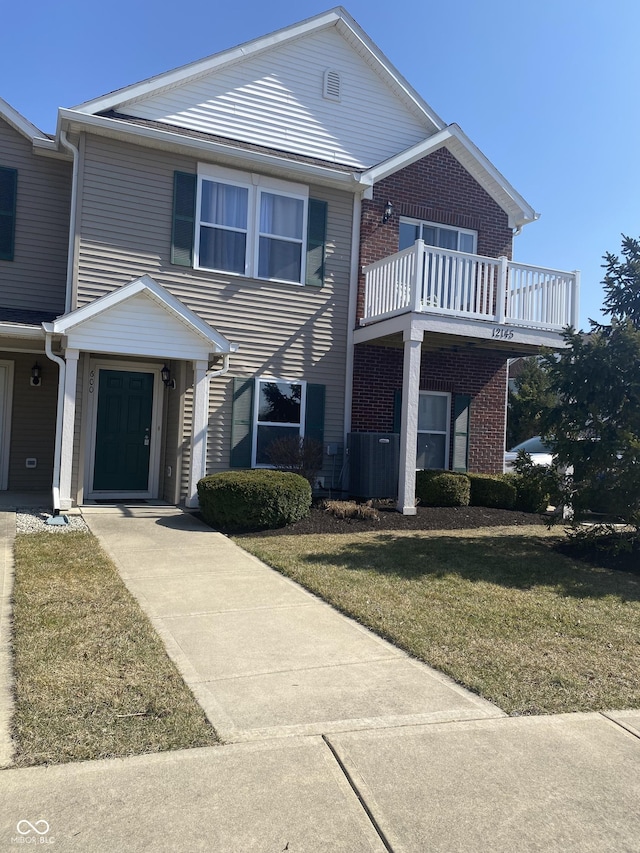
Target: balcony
x=429 y=280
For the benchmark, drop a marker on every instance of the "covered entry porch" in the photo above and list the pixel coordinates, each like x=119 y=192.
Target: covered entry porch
x=135 y=367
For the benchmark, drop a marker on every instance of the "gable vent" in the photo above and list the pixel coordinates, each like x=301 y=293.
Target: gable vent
x=331 y=86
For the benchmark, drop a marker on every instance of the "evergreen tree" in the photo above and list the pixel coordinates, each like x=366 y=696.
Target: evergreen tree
x=595 y=424
x=528 y=402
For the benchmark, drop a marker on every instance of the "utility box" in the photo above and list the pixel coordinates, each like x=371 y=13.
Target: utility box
x=373 y=464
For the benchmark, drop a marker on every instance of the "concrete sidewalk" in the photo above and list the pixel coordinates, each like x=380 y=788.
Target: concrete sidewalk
x=264 y=657
x=336 y=741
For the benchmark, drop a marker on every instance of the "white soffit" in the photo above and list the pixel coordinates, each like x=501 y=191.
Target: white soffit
x=140 y=318
x=269 y=92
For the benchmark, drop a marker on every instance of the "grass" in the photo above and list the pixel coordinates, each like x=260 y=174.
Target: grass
x=92 y=678
x=499 y=610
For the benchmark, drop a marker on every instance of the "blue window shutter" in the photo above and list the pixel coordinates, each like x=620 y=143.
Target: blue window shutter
x=8 y=197
x=316 y=242
x=242 y=423
x=314 y=413
x=397 y=410
x=461 y=406
x=184 y=218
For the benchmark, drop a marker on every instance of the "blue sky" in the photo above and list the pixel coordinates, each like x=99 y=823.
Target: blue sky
x=546 y=89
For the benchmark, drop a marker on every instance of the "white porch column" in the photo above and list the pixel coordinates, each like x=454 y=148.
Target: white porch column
x=198 y=467
x=409 y=421
x=68 y=427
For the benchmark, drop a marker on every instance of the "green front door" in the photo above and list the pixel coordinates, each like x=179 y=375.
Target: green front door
x=123 y=431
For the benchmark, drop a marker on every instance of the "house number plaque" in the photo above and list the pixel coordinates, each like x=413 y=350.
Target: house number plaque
x=502 y=332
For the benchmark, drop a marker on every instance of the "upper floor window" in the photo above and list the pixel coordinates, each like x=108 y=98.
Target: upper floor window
x=8 y=194
x=250 y=225
x=458 y=239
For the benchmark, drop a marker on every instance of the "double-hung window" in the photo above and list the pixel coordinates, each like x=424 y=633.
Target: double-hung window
x=279 y=413
x=251 y=225
x=224 y=212
x=444 y=237
x=434 y=416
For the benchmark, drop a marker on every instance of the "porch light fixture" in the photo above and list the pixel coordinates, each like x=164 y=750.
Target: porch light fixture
x=165 y=373
x=388 y=212
x=36 y=378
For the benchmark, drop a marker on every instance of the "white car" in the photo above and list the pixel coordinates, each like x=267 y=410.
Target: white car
x=538 y=450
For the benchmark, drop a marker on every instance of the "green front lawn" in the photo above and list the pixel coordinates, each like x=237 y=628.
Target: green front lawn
x=496 y=609
x=92 y=677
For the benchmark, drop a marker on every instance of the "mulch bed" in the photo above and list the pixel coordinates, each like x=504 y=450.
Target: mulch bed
x=427 y=518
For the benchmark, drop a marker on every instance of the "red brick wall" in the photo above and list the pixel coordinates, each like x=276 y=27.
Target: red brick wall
x=480 y=373
x=435 y=189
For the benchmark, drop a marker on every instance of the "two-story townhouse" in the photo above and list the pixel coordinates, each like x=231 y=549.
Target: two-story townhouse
x=35 y=188
x=220 y=218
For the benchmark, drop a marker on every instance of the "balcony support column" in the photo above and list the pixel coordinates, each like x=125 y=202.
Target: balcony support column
x=501 y=295
x=409 y=421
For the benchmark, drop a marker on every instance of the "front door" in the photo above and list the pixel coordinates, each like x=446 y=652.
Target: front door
x=123 y=431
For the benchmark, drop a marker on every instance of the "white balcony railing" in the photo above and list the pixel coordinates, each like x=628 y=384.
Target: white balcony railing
x=439 y=281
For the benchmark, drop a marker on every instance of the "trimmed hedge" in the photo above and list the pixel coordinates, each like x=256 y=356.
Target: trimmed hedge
x=442 y=488
x=253 y=500
x=492 y=490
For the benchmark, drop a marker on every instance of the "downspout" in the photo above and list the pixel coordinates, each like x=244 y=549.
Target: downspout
x=71 y=253
x=224 y=369
x=59 y=415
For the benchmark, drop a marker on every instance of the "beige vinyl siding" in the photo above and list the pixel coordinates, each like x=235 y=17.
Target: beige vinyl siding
x=33 y=423
x=284 y=330
x=187 y=426
x=36 y=277
x=172 y=436
x=80 y=434
x=275 y=99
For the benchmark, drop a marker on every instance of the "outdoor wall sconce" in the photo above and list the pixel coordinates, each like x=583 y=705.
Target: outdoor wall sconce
x=36 y=377
x=165 y=373
x=388 y=212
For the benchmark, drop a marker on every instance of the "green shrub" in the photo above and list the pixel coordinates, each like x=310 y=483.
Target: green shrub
x=442 y=488
x=536 y=485
x=253 y=500
x=532 y=493
x=492 y=490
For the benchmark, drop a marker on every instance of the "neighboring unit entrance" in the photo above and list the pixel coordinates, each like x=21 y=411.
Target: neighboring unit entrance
x=123 y=431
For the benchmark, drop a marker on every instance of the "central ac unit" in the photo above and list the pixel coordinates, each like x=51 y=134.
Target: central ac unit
x=373 y=464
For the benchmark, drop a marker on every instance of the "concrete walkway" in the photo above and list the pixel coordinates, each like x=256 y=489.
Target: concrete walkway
x=336 y=741
x=264 y=657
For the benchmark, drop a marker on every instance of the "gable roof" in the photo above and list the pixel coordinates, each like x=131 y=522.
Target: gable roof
x=200 y=332
x=472 y=159
x=248 y=104
x=24 y=126
x=337 y=17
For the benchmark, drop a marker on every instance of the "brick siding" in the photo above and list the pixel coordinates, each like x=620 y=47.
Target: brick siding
x=480 y=373
x=435 y=189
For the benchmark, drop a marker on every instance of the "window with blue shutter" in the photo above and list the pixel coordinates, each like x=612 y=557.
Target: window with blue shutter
x=226 y=239
x=267 y=409
x=8 y=197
